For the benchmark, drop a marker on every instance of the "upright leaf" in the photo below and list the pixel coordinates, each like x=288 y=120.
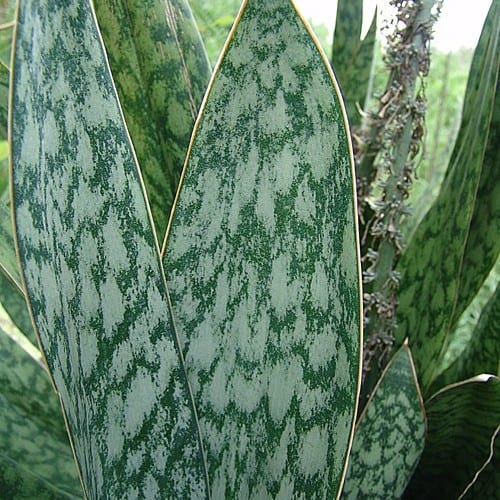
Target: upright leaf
x=434 y=266
x=9 y=265
x=482 y=354
x=262 y=265
x=389 y=436
x=4 y=100
x=353 y=57
x=462 y=420
x=91 y=264
x=35 y=453
x=161 y=71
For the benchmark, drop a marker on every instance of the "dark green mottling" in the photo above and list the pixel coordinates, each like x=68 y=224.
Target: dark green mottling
x=352 y=57
x=482 y=354
x=462 y=420
x=436 y=265
x=34 y=446
x=262 y=266
x=4 y=101
x=91 y=265
x=389 y=436
x=161 y=72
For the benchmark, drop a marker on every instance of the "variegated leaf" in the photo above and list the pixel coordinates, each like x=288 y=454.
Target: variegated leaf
x=35 y=453
x=4 y=100
x=353 y=57
x=389 y=436
x=262 y=265
x=436 y=264
x=482 y=354
x=161 y=71
x=9 y=265
x=462 y=421
x=91 y=264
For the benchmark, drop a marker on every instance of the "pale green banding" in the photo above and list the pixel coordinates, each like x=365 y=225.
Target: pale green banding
x=34 y=446
x=9 y=265
x=161 y=72
x=436 y=266
x=462 y=421
x=91 y=264
x=390 y=434
x=262 y=265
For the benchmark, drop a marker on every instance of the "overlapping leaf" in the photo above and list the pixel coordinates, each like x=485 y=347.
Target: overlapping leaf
x=91 y=264
x=436 y=264
x=9 y=266
x=482 y=354
x=161 y=72
x=4 y=100
x=462 y=421
x=389 y=436
x=353 y=57
x=36 y=460
x=262 y=265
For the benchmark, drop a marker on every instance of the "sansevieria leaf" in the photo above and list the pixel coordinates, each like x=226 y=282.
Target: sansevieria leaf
x=9 y=265
x=161 y=71
x=261 y=260
x=36 y=460
x=352 y=57
x=482 y=354
x=4 y=100
x=389 y=436
x=91 y=264
x=436 y=264
x=462 y=421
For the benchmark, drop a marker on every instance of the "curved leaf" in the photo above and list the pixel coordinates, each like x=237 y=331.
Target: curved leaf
x=389 y=436
x=262 y=265
x=462 y=420
x=91 y=264
x=486 y=482
x=434 y=265
x=161 y=72
x=353 y=57
x=35 y=454
x=482 y=354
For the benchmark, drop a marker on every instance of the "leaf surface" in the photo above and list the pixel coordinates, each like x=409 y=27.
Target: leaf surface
x=262 y=265
x=482 y=354
x=91 y=264
x=161 y=71
x=353 y=57
x=390 y=434
x=462 y=420
x=35 y=453
x=438 y=260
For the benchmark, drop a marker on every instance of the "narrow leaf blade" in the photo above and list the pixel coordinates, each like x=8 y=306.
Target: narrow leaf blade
x=462 y=419
x=161 y=71
x=353 y=57
x=432 y=267
x=482 y=354
x=91 y=264
x=390 y=434
x=262 y=265
x=34 y=446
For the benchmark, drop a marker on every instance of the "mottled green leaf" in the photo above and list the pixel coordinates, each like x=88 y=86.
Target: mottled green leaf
x=433 y=266
x=14 y=303
x=483 y=244
x=9 y=265
x=161 y=72
x=34 y=448
x=91 y=264
x=482 y=354
x=353 y=57
x=462 y=420
x=389 y=435
x=4 y=100
x=262 y=265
